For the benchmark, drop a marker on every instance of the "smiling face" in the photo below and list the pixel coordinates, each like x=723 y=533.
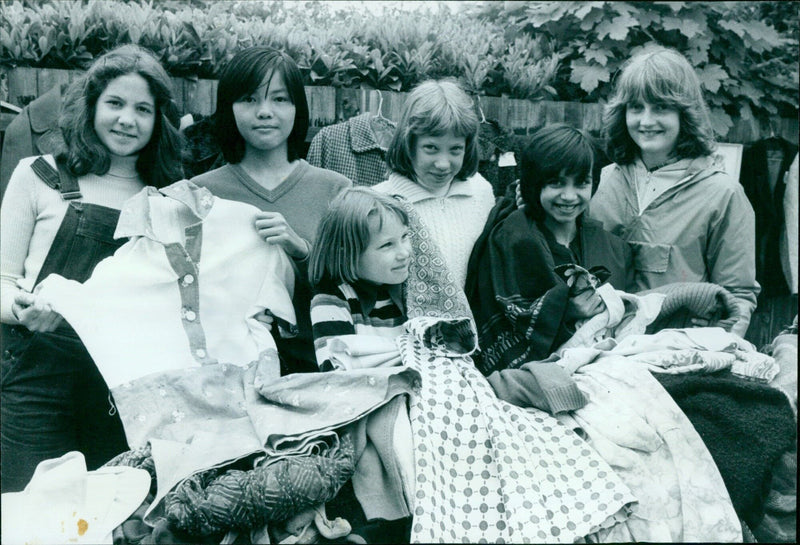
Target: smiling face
x=654 y=128
x=436 y=160
x=125 y=115
x=565 y=199
x=265 y=117
x=388 y=254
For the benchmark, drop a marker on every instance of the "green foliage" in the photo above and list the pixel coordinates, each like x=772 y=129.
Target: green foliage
x=745 y=52
x=332 y=43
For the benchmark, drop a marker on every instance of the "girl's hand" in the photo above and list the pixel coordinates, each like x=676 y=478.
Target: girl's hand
x=518 y=196
x=273 y=228
x=34 y=314
x=584 y=305
x=266 y=318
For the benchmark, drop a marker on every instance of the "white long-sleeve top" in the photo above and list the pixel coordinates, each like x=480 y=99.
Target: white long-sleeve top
x=183 y=291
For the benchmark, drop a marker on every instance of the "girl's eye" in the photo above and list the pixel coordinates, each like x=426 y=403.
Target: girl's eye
x=457 y=150
x=635 y=107
x=145 y=110
x=247 y=100
x=114 y=102
x=429 y=148
x=281 y=98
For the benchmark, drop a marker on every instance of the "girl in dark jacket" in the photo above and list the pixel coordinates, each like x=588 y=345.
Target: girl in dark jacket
x=523 y=307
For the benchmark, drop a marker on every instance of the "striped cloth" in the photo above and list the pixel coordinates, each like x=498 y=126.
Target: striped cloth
x=344 y=309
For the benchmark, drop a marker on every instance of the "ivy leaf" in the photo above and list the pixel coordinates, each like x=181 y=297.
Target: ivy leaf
x=598 y=55
x=712 y=76
x=697 y=52
x=588 y=76
x=589 y=21
x=685 y=25
x=720 y=121
x=617 y=28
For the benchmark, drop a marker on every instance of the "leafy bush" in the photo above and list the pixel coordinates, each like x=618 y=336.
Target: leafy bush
x=745 y=52
x=332 y=45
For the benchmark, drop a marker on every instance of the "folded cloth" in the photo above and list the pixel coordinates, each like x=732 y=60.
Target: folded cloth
x=63 y=503
x=746 y=427
x=687 y=300
x=213 y=501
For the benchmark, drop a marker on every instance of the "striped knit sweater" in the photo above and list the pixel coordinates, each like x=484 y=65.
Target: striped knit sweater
x=361 y=309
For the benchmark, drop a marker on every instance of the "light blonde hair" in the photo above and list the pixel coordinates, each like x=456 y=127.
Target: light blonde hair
x=344 y=233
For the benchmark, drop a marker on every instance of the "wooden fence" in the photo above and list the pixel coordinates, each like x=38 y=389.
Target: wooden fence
x=328 y=105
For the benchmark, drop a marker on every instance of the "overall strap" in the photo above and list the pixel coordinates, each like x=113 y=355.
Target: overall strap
x=60 y=179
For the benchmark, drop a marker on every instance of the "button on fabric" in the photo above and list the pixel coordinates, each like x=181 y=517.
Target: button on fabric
x=188 y=279
x=200 y=353
x=189 y=315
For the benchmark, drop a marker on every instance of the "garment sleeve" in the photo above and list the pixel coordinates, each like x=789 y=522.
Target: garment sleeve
x=545 y=386
x=604 y=202
x=731 y=257
x=330 y=318
x=790 y=213
x=316 y=149
x=17 y=143
x=17 y=222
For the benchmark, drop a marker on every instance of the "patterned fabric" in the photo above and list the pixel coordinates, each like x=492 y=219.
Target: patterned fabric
x=352 y=148
x=343 y=310
x=215 y=501
x=746 y=426
x=634 y=425
x=487 y=471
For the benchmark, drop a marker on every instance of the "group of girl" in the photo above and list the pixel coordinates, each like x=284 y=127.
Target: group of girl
x=663 y=212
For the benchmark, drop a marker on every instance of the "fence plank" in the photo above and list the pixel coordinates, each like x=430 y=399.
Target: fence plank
x=321 y=106
x=200 y=96
x=47 y=78
x=22 y=87
x=328 y=105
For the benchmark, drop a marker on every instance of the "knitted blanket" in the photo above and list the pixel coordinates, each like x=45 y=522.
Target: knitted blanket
x=746 y=427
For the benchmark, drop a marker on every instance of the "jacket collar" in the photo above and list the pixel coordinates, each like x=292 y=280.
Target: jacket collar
x=135 y=218
x=414 y=193
x=362 y=137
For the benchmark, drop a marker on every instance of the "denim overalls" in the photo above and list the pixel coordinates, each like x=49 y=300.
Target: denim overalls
x=54 y=399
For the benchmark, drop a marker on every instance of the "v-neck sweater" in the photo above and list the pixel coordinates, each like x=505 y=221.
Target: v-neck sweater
x=302 y=198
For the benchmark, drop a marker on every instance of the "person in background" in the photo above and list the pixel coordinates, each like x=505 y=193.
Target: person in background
x=433 y=160
x=260 y=124
x=684 y=217
x=59 y=214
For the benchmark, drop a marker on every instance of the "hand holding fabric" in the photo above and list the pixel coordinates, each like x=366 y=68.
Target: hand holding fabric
x=274 y=229
x=34 y=313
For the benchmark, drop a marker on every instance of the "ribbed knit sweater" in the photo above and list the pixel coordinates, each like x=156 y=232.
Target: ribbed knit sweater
x=454 y=221
x=32 y=212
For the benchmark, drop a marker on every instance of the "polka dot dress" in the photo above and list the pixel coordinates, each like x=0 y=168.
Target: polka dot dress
x=487 y=471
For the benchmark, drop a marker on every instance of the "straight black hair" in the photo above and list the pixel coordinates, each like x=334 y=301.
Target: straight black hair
x=243 y=74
